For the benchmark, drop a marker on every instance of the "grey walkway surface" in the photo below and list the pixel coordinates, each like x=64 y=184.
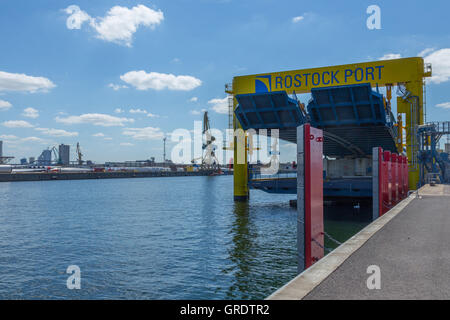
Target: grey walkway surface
x=412 y=251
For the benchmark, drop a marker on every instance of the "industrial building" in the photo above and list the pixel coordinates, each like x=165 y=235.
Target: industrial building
x=64 y=154
x=45 y=159
x=3 y=159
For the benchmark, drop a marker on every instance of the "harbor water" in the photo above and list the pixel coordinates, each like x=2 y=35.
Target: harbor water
x=150 y=238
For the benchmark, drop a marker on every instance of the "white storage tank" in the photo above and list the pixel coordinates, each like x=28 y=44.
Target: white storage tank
x=5 y=169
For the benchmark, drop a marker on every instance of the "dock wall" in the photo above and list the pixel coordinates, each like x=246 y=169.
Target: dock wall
x=44 y=176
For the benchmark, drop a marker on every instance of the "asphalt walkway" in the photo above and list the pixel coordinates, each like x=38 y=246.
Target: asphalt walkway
x=410 y=245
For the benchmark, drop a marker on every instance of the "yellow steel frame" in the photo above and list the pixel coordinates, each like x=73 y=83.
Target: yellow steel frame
x=408 y=71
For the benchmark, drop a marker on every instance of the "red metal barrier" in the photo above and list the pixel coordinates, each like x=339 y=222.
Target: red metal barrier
x=387 y=178
x=392 y=175
x=395 y=178
x=310 y=230
x=314 y=178
x=400 y=176
x=405 y=172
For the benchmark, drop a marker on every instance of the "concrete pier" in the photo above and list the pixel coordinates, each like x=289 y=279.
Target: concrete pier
x=410 y=244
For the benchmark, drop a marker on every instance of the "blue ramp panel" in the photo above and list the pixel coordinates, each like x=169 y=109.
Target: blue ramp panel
x=268 y=110
x=346 y=105
x=332 y=188
x=354 y=120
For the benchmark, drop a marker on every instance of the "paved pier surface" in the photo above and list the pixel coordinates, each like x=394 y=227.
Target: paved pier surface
x=410 y=244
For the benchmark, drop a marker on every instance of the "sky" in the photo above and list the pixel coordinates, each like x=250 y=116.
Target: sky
x=117 y=76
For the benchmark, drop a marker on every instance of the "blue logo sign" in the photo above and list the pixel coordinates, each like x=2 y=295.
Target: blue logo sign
x=263 y=84
x=318 y=79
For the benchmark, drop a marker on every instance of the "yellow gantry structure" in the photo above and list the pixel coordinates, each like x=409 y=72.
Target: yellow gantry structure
x=407 y=74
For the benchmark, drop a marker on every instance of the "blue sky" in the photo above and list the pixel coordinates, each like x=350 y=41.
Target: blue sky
x=64 y=82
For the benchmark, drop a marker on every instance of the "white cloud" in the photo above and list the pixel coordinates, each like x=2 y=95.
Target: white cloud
x=57 y=132
x=197 y=112
x=4 y=105
x=126 y=144
x=7 y=137
x=440 y=62
x=148 y=133
x=297 y=19
x=193 y=99
x=390 y=56
x=17 y=124
x=118 y=110
x=445 y=105
x=33 y=139
x=119 y=24
x=142 y=80
x=142 y=111
x=76 y=17
x=219 y=105
x=138 y=111
x=97 y=119
x=117 y=87
x=424 y=52
x=99 y=135
x=176 y=60
x=30 y=113
x=13 y=140
x=23 y=82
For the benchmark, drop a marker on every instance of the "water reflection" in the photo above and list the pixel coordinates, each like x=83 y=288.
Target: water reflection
x=158 y=238
x=242 y=251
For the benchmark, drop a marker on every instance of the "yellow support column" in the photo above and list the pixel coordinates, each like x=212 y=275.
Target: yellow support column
x=414 y=116
x=400 y=128
x=240 y=167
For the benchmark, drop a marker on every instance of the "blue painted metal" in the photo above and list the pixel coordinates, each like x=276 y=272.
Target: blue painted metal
x=286 y=183
x=354 y=105
x=268 y=110
x=274 y=185
x=362 y=138
x=354 y=120
x=348 y=187
x=430 y=160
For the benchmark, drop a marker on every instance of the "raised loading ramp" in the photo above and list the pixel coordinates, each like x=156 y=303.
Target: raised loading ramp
x=354 y=120
x=270 y=110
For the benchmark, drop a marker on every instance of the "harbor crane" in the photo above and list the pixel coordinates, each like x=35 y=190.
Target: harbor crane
x=209 y=159
x=79 y=155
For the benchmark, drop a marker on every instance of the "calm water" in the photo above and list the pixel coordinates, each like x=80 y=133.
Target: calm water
x=149 y=238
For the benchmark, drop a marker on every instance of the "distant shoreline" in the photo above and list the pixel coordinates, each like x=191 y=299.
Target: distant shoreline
x=49 y=176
